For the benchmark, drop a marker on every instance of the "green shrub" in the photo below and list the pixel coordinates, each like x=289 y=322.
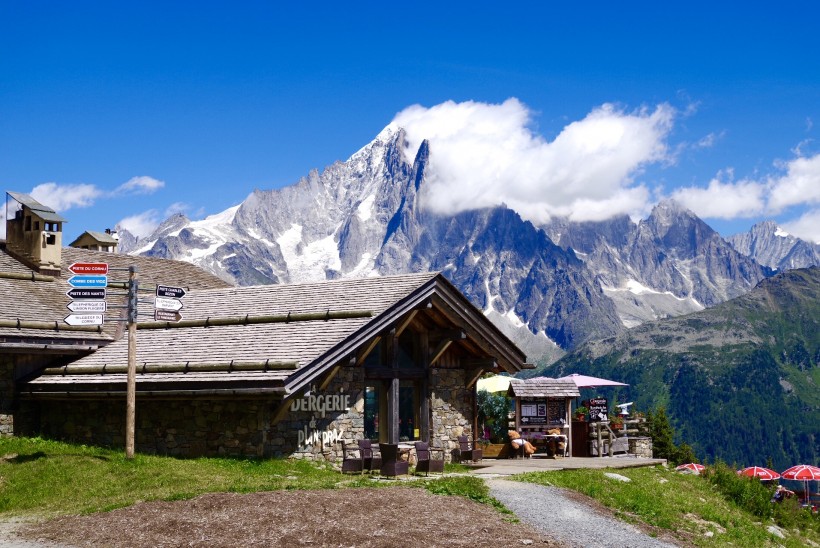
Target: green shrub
x=493 y=409
x=748 y=493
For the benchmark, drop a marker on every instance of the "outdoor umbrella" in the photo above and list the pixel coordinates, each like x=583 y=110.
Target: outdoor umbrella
x=759 y=472
x=690 y=467
x=496 y=383
x=804 y=473
x=584 y=381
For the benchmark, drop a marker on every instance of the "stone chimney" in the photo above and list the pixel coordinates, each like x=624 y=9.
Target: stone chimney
x=34 y=233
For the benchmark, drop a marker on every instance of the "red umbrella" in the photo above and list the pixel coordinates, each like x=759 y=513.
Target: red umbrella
x=759 y=472
x=803 y=472
x=690 y=467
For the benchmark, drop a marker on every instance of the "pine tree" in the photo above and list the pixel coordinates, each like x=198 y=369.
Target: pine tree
x=662 y=434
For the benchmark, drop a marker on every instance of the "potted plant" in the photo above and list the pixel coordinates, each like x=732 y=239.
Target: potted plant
x=616 y=422
x=581 y=413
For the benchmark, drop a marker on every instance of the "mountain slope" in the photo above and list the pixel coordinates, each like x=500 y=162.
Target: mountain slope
x=365 y=217
x=769 y=245
x=739 y=380
x=668 y=264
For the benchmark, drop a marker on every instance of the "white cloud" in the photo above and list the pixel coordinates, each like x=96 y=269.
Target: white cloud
x=176 y=207
x=143 y=224
x=708 y=141
x=724 y=200
x=483 y=155
x=64 y=197
x=140 y=185
x=800 y=184
x=806 y=227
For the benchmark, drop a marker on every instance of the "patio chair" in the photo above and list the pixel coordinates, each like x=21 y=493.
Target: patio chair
x=467 y=452
x=351 y=463
x=429 y=459
x=392 y=463
x=370 y=460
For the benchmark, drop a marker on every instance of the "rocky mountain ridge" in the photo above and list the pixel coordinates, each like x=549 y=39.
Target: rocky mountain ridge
x=775 y=248
x=550 y=288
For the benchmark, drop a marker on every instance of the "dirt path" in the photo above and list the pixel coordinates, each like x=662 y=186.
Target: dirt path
x=344 y=517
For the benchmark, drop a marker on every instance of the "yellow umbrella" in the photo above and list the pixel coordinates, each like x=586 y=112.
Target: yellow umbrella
x=496 y=383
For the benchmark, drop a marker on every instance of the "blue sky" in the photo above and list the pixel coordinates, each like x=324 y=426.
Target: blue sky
x=114 y=111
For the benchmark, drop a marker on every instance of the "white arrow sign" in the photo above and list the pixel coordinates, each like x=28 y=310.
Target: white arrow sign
x=84 y=319
x=86 y=306
x=164 y=303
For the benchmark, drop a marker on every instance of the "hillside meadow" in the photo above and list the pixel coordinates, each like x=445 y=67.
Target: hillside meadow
x=42 y=479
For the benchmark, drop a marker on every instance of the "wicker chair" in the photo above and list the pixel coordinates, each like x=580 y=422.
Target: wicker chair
x=467 y=452
x=426 y=460
x=392 y=464
x=351 y=463
x=370 y=461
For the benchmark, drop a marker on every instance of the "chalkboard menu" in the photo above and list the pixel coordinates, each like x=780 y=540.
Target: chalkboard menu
x=556 y=411
x=598 y=409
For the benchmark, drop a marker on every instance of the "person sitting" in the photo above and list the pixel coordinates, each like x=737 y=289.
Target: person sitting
x=781 y=494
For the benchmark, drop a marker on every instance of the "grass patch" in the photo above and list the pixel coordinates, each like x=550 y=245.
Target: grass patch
x=51 y=478
x=56 y=478
x=465 y=486
x=689 y=506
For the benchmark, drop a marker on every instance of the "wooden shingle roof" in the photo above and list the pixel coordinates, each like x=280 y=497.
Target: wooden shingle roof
x=289 y=354
x=28 y=297
x=543 y=387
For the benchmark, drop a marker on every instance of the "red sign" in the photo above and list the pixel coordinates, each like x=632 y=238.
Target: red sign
x=89 y=268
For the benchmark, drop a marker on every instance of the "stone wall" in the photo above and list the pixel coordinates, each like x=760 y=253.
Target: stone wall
x=640 y=447
x=312 y=428
x=452 y=409
x=6 y=395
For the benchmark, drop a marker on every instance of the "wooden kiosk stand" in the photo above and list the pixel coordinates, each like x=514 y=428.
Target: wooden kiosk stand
x=541 y=406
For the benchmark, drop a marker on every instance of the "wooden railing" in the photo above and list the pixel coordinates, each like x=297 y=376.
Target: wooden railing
x=604 y=436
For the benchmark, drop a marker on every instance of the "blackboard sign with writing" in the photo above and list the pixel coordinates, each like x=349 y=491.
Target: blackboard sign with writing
x=556 y=411
x=598 y=409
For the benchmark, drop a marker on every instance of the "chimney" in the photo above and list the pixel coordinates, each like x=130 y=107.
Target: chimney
x=34 y=233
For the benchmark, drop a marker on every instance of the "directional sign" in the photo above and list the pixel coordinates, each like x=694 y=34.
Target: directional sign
x=167 y=316
x=169 y=291
x=86 y=306
x=164 y=303
x=84 y=319
x=89 y=268
x=88 y=281
x=78 y=293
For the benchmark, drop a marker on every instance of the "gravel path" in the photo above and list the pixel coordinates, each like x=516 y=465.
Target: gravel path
x=559 y=516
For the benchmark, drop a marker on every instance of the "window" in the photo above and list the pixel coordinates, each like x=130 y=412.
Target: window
x=409 y=424
x=372 y=407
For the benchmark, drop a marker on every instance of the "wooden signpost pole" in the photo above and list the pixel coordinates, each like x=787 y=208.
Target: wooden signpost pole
x=131 y=397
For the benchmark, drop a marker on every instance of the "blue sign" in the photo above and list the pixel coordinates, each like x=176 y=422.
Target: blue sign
x=88 y=281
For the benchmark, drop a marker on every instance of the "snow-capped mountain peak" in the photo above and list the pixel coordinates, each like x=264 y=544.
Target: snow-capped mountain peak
x=363 y=217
